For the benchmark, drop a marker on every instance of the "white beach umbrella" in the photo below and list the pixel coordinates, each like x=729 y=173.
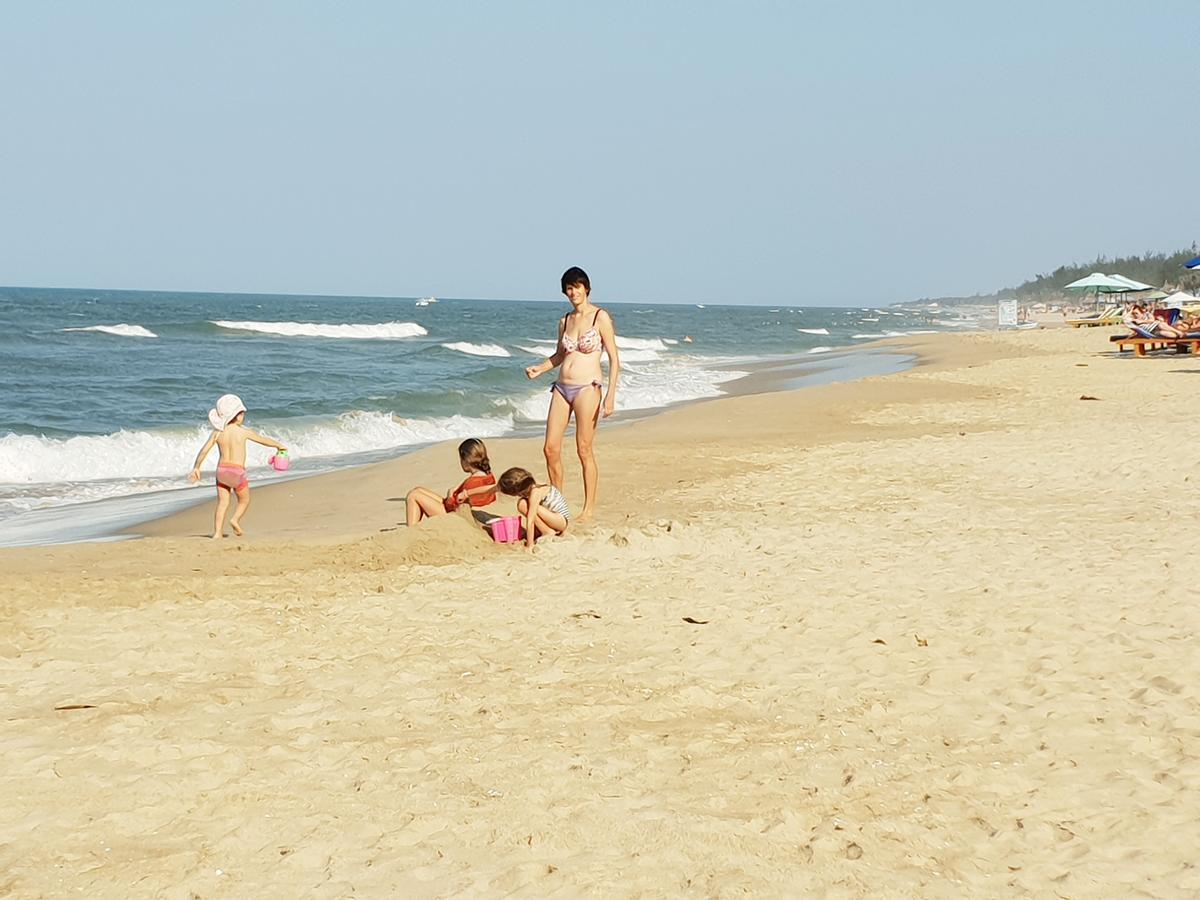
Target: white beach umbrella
x=1180 y=299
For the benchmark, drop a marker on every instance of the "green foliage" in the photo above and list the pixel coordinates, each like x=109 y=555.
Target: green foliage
x=1162 y=270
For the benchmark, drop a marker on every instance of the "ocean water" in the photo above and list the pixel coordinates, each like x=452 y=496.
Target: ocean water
x=106 y=392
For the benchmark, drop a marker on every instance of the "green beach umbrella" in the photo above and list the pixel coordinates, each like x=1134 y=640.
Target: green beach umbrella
x=1100 y=284
x=1130 y=284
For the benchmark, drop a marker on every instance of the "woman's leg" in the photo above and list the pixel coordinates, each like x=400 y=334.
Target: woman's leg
x=420 y=503
x=556 y=426
x=219 y=516
x=587 y=414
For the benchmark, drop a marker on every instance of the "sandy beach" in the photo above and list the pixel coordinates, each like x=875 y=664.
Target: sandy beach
x=924 y=635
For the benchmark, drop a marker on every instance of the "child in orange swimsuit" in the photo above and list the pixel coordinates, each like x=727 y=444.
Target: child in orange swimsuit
x=230 y=436
x=479 y=488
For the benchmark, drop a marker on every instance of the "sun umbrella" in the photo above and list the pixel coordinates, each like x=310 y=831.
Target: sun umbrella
x=1100 y=283
x=1130 y=284
x=1179 y=300
x=1192 y=263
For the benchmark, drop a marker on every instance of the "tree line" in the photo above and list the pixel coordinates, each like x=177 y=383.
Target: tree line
x=1162 y=270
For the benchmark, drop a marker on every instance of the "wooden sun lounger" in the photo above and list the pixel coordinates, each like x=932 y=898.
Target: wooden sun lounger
x=1140 y=344
x=1110 y=316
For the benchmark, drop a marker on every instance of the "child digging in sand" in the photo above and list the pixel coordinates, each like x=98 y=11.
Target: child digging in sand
x=479 y=488
x=230 y=436
x=543 y=505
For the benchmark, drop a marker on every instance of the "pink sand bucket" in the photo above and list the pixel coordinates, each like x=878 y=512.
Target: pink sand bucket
x=506 y=529
x=280 y=462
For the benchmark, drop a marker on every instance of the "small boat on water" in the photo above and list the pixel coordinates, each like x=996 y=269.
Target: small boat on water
x=425 y=301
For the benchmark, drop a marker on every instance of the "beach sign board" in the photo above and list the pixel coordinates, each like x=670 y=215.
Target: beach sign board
x=1006 y=313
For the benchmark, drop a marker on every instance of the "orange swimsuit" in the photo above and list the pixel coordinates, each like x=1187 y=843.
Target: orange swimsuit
x=473 y=481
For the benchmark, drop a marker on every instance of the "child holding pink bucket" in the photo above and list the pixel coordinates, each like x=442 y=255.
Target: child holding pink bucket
x=543 y=506
x=230 y=435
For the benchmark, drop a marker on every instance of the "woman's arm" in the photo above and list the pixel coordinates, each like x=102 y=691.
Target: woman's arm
x=608 y=335
x=194 y=475
x=550 y=362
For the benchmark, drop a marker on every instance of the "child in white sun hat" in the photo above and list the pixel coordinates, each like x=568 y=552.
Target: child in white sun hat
x=230 y=436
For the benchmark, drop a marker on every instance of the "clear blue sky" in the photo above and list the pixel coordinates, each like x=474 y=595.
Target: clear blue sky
x=739 y=152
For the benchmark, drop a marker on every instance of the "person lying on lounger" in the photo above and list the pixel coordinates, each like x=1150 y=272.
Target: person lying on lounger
x=1143 y=324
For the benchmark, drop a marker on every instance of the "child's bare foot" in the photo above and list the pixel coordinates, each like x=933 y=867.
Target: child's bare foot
x=237 y=527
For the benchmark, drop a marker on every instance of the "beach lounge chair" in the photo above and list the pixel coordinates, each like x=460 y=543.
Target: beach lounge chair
x=1144 y=340
x=1110 y=316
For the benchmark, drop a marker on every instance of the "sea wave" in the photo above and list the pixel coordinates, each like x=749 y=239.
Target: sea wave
x=122 y=330
x=813 y=330
x=377 y=331
x=821 y=350
x=477 y=349
x=632 y=349
x=632 y=343
x=129 y=455
x=642 y=387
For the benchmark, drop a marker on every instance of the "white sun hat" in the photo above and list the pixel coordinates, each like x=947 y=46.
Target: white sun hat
x=228 y=406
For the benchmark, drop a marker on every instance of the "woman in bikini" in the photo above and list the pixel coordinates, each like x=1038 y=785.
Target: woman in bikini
x=582 y=334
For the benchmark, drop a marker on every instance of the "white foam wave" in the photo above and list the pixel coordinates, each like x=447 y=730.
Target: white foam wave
x=632 y=349
x=40 y=471
x=477 y=349
x=121 y=330
x=821 y=350
x=875 y=337
x=632 y=343
x=659 y=383
x=378 y=331
x=813 y=330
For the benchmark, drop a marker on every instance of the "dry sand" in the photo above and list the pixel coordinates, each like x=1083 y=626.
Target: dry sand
x=929 y=635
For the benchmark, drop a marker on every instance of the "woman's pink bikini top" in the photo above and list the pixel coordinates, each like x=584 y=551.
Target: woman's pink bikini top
x=589 y=341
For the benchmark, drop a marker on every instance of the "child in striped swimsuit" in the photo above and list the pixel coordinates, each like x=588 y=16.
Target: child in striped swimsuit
x=543 y=506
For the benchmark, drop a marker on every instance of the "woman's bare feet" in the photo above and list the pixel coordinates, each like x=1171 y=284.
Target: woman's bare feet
x=236 y=526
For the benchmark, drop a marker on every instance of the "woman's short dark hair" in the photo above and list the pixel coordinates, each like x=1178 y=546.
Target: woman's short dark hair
x=575 y=275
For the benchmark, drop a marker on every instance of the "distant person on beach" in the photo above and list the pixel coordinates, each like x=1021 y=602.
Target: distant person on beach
x=479 y=488
x=543 y=506
x=230 y=436
x=582 y=334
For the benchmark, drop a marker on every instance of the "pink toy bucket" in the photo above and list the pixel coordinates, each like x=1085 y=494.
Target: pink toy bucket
x=279 y=462
x=507 y=529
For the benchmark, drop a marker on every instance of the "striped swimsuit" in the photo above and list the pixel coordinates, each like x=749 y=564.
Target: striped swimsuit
x=556 y=502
